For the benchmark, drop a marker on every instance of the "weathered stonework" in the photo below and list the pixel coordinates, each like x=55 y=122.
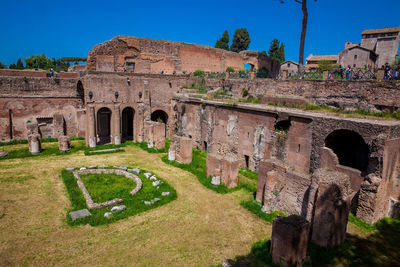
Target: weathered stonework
x=35 y=144
x=289 y=240
x=64 y=143
x=226 y=167
x=155 y=134
x=181 y=149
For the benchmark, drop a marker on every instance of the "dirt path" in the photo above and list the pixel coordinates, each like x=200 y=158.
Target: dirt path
x=200 y=228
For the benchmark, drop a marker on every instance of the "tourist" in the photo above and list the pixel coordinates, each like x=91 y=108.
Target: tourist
x=387 y=71
x=51 y=73
x=348 y=70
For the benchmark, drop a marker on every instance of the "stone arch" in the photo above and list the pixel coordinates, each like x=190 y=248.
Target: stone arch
x=160 y=116
x=80 y=92
x=104 y=125
x=350 y=148
x=127 y=122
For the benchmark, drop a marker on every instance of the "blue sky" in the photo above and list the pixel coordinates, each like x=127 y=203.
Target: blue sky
x=72 y=28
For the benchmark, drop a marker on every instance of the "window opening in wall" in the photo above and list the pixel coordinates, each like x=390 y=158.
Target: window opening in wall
x=350 y=148
x=246 y=159
x=298 y=148
x=248 y=135
x=288 y=64
x=130 y=64
x=10 y=123
x=354 y=65
x=283 y=125
x=190 y=136
x=205 y=146
x=375 y=35
x=355 y=56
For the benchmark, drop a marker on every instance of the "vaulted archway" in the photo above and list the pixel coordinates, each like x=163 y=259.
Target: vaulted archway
x=128 y=116
x=104 y=126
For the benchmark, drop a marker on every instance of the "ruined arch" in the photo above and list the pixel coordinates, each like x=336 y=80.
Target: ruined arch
x=350 y=148
x=128 y=116
x=80 y=92
x=160 y=116
x=104 y=125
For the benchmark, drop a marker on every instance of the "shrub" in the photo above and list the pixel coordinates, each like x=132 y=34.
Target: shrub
x=230 y=69
x=262 y=73
x=198 y=73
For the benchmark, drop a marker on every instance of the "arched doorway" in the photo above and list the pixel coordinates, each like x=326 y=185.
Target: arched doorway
x=350 y=148
x=128 y=115
x=160 y=116
x=104 y=126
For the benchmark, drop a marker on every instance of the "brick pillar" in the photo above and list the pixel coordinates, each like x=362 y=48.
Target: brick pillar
x=92 y=128
x=64 y=143
x=289 y=240
x=380 y=75
x=325 y=75
x=35 y=146
x=117 y=125
x=284 y=74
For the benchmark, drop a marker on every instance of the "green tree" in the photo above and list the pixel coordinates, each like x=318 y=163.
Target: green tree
x=241 y=40
x=223 y=43
x=326 y=65
x=20 y=64
x=263 y=53
x=277 y=51
x=303 y=4
x=38 y=61
x=282 y=53
x=273 y=51
x=3 y=65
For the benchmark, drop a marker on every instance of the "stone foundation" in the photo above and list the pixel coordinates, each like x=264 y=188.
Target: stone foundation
x=64 y=143
x=155 y=134
x=181 y=149
x=34 y=142
x=225 y=167
x=289 y=240
x=332 y=208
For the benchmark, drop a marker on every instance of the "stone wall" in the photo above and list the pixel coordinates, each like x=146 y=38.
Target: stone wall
x=143 y=55
x=24 y=99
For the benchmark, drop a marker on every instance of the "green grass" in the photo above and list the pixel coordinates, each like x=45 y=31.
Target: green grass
x=363 y=226
x=248 y=173
x=46 y=151
x=143 y=145
x=101 y=147
x=255 y=207
x=44 y=140
x=105 y=187
x=134 y=204
x=198 y=168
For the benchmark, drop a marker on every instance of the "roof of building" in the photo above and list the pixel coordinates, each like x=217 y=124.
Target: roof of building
x=322 y=57
x=384 y=30
x=361 y=47
x=290 y=61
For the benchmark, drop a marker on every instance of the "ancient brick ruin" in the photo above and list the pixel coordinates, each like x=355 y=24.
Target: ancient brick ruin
x=286 y=146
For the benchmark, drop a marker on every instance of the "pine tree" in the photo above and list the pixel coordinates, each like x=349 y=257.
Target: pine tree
x=20 y=64
x=282 y=53
x=223 y=43
x=241 y=40
x=273 y=51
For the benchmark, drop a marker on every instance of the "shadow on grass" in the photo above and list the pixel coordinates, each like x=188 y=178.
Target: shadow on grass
x=380 y=248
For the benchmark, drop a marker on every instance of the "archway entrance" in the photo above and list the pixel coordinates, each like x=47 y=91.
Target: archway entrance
x=160 y=116
x=350 y=148
x=104 y=126
x=128 y=115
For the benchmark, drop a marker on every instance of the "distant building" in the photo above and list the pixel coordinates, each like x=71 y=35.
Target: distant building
x=291 y=67
x=312 y=60
x=357 y=56
x=378 y=47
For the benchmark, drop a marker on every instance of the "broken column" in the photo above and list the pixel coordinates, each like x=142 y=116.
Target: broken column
x=35 y=146
x=117 y=124
x=155 y=134
x=225 y=167
x=331 y=208
x=289 y=240
x=58 y=125
x=181 y=149
x=92 y=128
x=64 y=143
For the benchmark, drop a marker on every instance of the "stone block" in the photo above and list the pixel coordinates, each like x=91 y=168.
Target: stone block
x=79 y=214
x=58 y=125
x=64 y=143
x=155 y=133
x=213 y=164
x=35 y=146
x=289 y=240
x=183 y=149
x=331 y=208
x=230 y=171
x=32 y=128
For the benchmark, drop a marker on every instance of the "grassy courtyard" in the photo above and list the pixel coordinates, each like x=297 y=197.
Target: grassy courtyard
x=201 y=227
